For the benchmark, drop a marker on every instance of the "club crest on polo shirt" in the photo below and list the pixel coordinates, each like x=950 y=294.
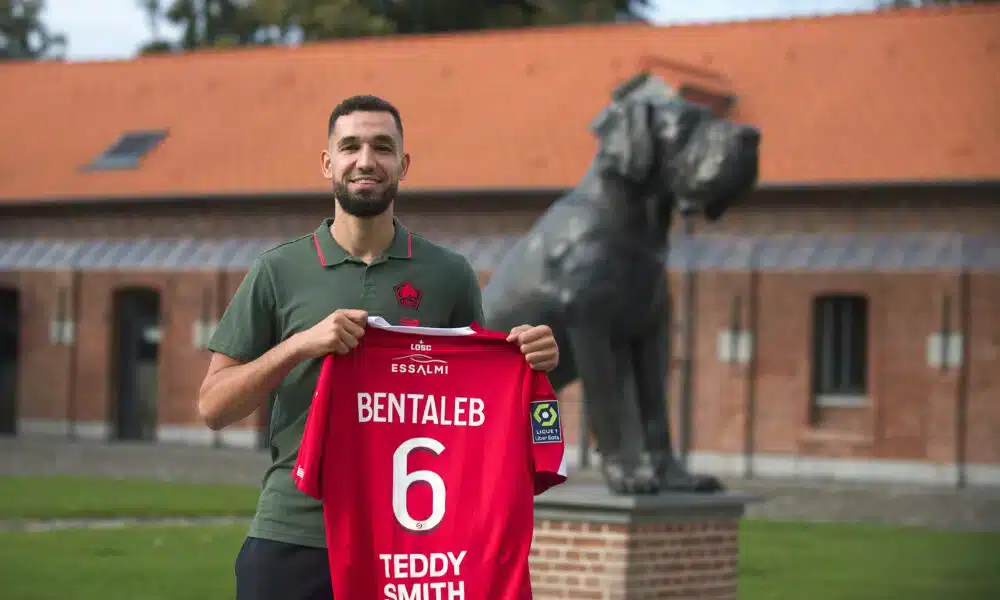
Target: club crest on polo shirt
x=408 y=295
x=545 y=428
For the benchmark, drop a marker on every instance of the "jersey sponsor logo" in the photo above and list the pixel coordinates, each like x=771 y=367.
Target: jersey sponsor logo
x=409 y=322
x=407 y=295
x=545 y=427
x=419 y=364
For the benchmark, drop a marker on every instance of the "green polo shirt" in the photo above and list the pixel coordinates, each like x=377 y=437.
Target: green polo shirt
x=292 y=287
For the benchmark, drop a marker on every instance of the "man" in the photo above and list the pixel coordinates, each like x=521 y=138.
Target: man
x=311 y=297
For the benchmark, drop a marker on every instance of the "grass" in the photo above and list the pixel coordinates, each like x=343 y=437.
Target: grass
x=148 y=563
x=779 y=560
x=78 y=497
x=846 y=561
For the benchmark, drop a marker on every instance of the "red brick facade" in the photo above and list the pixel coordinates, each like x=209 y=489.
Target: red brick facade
x=578 y=560
x=911 y=411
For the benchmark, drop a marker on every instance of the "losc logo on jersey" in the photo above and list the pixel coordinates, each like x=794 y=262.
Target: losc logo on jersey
x=545 y=427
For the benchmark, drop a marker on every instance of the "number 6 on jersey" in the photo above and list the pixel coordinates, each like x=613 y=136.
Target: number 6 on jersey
x=402 y=479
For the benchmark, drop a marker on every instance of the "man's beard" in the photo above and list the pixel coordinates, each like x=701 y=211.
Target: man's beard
x=365 y=204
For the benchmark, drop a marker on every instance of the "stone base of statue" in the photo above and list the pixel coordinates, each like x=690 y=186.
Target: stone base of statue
x=590 y=543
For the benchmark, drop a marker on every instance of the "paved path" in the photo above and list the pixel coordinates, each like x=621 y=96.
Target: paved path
x=944 y=508
x=115 y=523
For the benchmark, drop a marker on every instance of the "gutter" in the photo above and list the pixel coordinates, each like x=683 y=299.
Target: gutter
x=486 y=193
x=899 y=184
x=325 y=196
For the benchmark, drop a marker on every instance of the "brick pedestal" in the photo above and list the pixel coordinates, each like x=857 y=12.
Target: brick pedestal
x=591 y=544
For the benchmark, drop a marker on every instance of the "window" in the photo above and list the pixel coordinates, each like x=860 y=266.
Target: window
x=126 y=152
x=840 y=350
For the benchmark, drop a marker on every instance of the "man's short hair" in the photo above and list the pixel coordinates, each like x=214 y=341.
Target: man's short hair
x=364 y=103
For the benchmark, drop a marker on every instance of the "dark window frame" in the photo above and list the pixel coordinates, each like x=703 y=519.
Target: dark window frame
x=840 y=353
x=128 y=150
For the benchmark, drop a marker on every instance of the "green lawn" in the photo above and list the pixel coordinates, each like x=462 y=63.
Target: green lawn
x=840 y=561
x=148 y=563
x=73 y=497
x=779 y=561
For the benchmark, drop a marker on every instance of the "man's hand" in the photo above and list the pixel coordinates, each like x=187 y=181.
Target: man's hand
x=538 y=346
x=339 y=333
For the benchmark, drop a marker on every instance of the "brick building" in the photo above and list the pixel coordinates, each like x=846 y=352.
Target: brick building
x=847 y=319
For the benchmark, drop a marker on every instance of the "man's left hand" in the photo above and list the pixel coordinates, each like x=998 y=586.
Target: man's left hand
x=538 y=346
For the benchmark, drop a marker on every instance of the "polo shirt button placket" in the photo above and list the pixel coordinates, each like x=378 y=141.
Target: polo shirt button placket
x=367 y=288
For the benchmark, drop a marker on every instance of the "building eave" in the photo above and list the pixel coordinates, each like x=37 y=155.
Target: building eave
x=894 y=184
x=194 y=199
x=486 y=193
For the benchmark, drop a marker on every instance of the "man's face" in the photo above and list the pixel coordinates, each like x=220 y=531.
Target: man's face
x=366 y=162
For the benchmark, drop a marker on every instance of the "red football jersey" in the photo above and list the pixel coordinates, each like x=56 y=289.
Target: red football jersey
x=427 y=447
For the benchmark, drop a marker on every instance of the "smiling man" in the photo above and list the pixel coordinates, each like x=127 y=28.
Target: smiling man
x=311 y=297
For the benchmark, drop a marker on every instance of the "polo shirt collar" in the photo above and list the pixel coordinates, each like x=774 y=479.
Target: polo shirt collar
x=330 y=253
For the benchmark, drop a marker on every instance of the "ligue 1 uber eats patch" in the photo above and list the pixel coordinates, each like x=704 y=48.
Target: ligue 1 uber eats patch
x=545 y=427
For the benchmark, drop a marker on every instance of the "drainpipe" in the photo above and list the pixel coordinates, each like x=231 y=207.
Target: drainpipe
x=584 y=435
x=750 y=423
x=67 y=323
x=688 y=313
x=962 y=409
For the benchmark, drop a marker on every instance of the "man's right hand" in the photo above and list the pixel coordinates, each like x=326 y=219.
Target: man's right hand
x=339 y=333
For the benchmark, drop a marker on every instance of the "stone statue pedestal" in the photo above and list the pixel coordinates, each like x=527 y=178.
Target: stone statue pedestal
x=590 y=543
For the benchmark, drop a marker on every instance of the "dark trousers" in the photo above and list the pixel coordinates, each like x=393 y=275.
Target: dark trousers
x=269 y=570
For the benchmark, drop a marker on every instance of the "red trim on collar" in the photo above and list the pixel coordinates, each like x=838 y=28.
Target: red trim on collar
x=319 y=251
x=409 y=245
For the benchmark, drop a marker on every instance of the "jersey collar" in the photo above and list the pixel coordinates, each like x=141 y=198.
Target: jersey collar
x=330 y=253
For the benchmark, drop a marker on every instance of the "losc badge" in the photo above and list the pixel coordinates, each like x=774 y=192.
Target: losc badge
x=545 y=426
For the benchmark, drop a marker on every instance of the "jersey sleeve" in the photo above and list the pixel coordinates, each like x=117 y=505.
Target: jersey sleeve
x=247 y=327
x=547 y=442
x=308 y=470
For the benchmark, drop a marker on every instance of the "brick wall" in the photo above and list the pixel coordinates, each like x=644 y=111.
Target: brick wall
x=983 y=418
x=912 y=412
x=467 y=216
x=580 y=560
x=765 y=211
x=865 y=210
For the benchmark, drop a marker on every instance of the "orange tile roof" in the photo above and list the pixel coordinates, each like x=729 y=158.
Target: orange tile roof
x=907 y=95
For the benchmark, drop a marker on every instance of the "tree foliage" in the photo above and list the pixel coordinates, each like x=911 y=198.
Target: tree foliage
x=205 y=23
x=23 y=34
x=913 y=3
